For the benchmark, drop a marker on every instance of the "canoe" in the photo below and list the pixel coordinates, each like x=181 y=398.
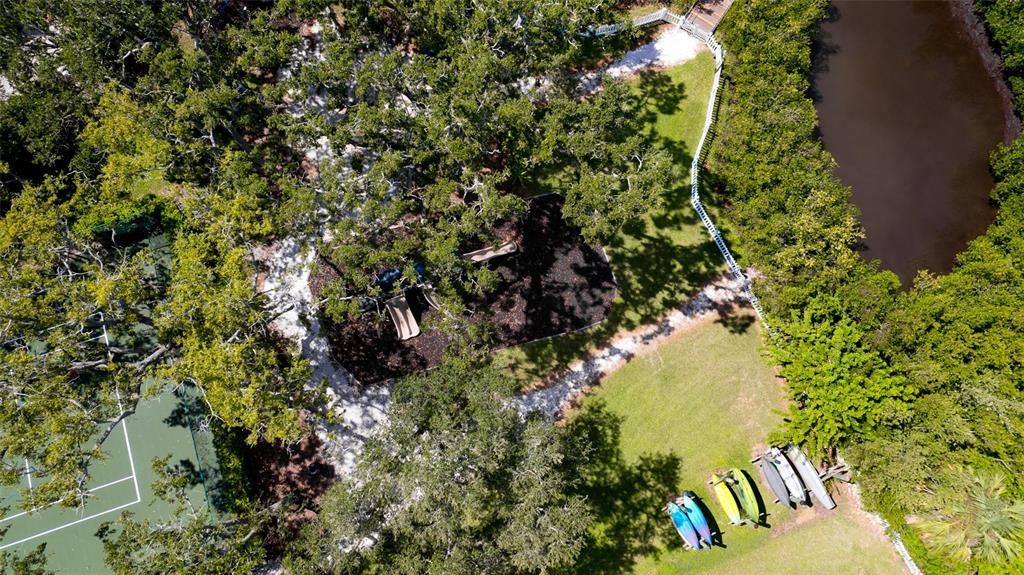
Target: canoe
x=810 y=476
x=746 y=495
x=726 y=499
x=774 y=481
x=797 y=492
x=696 y=516
x=683 y=526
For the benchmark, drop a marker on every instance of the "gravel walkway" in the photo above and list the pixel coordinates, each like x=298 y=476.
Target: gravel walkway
x=552 y=400
x=357 y=411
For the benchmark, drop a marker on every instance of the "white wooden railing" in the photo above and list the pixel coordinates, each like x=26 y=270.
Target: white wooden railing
x=698 y=160
x=664 y=15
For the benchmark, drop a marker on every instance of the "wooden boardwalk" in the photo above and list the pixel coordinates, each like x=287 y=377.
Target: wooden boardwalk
x=702 y=18
x=706 y=14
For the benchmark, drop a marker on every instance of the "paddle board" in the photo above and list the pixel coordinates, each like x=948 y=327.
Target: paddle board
x=683 y=526
x=726 y=499
x=746 y=495
x=696 y=516
x=810 y=476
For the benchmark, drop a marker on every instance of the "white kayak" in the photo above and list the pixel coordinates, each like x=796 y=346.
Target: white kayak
x=774 y=479
x=797 y=491
x=810 y=476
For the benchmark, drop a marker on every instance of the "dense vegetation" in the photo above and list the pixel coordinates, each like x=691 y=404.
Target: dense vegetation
x=134 y=191
x=148 y=150
x=448 y=115
x=1005 y=23
x=922 y=390
x=457 y=482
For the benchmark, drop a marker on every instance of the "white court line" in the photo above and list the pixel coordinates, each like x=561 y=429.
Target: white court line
x=93 y=490
x=75 y=522
x=114 y=482
x=133 y=477
x=128 y=444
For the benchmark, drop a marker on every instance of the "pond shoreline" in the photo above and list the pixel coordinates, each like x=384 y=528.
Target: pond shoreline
x=964 y=12
x=911 y=103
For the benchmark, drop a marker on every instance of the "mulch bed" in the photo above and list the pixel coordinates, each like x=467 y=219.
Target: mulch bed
x=553 y=284
x=296 y=473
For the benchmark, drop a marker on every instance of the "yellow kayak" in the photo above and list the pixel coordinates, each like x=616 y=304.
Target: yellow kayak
x=726 y=498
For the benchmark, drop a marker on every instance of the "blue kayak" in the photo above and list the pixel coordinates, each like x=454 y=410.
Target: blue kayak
x=683 y=526
x=696 y=517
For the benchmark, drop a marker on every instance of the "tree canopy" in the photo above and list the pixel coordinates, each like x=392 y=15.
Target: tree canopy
x=457 y=482
x=442 y=119
x=133 y=191
x=150 y=150
x=904 y=385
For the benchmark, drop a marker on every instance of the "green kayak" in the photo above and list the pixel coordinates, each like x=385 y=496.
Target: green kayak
x=745 y=493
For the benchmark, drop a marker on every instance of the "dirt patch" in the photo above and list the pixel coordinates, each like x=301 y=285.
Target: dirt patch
x=795 y=518
x=554 y=284
x=296 y=473
x=848 y=503
x=850 y=494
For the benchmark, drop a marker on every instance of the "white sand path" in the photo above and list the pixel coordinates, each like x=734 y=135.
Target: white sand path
x=671 y=48
x=360 y=409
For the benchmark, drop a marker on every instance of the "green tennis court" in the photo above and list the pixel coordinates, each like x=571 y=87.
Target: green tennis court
x=167 y=424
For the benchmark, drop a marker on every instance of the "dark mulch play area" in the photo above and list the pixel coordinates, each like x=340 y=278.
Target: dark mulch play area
x=297 y=473
x=553 y=284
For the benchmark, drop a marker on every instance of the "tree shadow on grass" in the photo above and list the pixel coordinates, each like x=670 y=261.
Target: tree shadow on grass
x=627 y=499
x=659 y=261
x=656 y=93
x=654 y=274
x=736 y=321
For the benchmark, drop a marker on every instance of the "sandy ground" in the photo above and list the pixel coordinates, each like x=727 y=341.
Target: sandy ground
x=671 y=48
x=6 y=90
x=357 y=410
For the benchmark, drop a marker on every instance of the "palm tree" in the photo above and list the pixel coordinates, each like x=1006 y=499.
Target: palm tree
x=979 y=522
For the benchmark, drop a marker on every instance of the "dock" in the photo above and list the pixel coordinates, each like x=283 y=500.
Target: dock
x=706 y=14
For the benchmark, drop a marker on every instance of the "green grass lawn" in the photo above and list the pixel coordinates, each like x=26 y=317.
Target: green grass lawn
x=702 y=401
x=661 y=260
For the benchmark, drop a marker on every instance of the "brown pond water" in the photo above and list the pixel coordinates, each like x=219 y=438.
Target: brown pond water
x=911 y=113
